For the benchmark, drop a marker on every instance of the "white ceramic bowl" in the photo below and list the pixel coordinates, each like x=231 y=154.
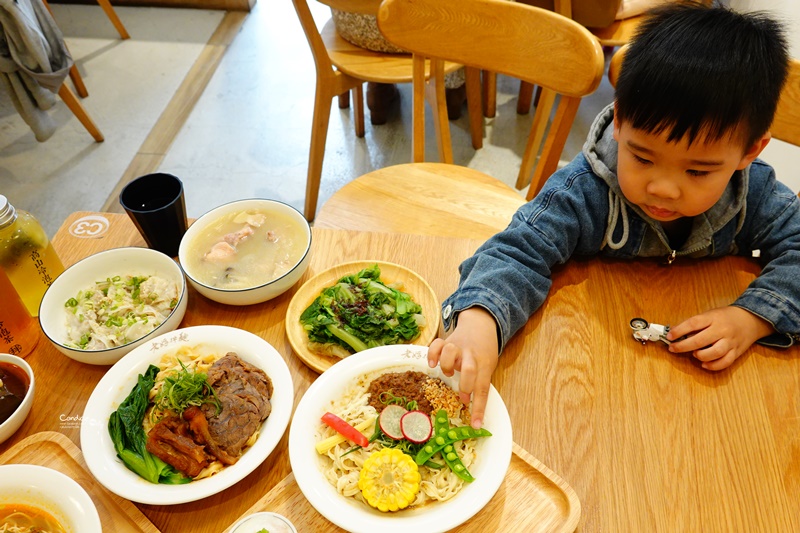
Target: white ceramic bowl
x=489 y=468
x=258 y=293
x=272 y=522
x=53 y=492
x=83 y=274
x=12 y=424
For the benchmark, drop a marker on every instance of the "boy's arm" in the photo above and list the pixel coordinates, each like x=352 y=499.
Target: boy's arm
x=509 y=275
x=774 y=230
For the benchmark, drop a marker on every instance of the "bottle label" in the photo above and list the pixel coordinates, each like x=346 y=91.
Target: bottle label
x=8 y=337
x=44 y=275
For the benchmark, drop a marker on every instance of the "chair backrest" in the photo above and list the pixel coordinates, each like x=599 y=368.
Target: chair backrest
x=528 y=43
x=521 y=41
x=786 y=125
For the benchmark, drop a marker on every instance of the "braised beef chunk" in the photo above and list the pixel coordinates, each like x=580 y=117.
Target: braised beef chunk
x=408 y=385
x=170 y=441
x=244 y=392
x=199 y=427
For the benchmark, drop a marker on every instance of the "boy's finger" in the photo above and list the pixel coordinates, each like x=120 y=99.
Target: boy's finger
x=480 y=394
x=450 y=359
x=722 y=363
x=434 y=350
x=466 y=382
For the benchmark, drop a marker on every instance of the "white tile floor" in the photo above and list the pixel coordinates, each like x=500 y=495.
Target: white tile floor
x=248 y=135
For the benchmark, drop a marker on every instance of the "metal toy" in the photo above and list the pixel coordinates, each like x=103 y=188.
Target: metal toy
x=643 y=331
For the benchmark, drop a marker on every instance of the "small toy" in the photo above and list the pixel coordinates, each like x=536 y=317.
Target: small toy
x=643 y=331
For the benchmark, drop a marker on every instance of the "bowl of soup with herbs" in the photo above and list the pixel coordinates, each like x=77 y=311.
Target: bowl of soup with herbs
x=246 y=252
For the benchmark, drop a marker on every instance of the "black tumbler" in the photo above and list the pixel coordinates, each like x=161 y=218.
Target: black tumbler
x=156 y=205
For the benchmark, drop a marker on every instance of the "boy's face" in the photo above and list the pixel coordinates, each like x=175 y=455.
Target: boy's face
x=671 y=180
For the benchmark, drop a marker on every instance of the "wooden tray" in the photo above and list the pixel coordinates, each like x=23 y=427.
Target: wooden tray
x=413 y=284
x=54 y=450
x=532 y=498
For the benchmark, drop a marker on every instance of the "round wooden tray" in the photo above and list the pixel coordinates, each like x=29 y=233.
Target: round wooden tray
x=391 y=273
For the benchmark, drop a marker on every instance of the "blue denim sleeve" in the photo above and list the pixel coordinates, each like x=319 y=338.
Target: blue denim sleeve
x=509 y=275
x=773 y=227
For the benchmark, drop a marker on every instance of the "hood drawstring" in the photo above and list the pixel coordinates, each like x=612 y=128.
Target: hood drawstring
x=616 y=206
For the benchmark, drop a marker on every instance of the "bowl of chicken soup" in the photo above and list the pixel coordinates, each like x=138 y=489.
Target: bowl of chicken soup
x=246 y=252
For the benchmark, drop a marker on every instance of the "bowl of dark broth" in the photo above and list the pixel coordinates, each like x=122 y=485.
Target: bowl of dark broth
x=16 y=393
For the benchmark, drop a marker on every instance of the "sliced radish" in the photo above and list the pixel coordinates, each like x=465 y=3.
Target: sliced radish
x=416 y=426
x=390 y=421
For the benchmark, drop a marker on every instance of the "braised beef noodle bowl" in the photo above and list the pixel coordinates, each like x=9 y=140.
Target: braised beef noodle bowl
x=18 y=518
x=203 y=410
x=416 y=446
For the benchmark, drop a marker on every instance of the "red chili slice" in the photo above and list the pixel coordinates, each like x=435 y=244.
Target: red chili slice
x=416 y=426
x=345 y=430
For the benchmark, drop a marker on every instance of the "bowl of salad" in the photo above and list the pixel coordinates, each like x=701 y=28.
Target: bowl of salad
x=107 y=304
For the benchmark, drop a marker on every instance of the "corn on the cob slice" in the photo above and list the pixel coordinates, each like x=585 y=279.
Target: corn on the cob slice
x=389 y=480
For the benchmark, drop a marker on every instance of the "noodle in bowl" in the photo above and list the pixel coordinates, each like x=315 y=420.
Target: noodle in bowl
x=37 y=488
x=330 y=481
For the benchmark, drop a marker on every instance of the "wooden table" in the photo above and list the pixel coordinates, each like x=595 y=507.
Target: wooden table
x=648 y=440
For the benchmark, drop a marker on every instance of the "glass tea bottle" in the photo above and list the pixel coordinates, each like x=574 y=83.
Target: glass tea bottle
x=26 y=255
x=19 y=331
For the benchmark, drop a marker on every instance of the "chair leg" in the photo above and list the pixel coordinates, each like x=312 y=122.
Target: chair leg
x=80 y=113
x=112 y=15
x=77 y=81
x=489 y=94
x=358 y=110
x=540 y=120
x=419 y=88
x=524 y=98
x=319 y=134
x=441 y=124
x=562 y=123
x=474 y=109
x=344 y=100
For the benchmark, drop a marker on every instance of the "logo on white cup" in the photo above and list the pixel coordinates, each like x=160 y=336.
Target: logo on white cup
x=89 y=227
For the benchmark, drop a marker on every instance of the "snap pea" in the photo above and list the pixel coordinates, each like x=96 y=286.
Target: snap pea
x=443 y=435
x=452 y=460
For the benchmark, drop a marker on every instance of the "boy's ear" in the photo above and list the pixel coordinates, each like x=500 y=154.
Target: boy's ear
x=754 y=151
x=616 y=124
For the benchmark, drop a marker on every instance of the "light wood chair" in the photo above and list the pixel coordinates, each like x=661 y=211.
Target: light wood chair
x=528 y=43
x=342 y=67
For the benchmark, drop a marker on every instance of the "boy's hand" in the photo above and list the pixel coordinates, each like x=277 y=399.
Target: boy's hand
x=719 y=336
x=472 y=350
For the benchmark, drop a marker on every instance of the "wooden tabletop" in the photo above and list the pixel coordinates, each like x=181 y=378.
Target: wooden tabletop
x=649 y=441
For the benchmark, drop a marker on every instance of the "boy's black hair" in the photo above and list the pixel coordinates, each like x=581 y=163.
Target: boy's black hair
x=693 y=70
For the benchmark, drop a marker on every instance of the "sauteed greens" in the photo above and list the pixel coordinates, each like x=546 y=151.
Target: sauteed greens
x=130 y=440
x=361 y=312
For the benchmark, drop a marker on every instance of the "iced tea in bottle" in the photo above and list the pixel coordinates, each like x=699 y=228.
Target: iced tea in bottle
x=26 y=255
x=19 y=331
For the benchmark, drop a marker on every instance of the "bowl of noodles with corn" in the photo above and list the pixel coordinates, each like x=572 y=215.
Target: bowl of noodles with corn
x=381 y=442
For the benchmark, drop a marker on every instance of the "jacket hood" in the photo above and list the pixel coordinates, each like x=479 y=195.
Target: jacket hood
x=600 y=151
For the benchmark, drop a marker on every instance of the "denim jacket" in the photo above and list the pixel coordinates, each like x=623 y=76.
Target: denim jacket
x=582 y=211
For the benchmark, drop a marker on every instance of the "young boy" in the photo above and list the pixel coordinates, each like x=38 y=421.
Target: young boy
x=670 y=170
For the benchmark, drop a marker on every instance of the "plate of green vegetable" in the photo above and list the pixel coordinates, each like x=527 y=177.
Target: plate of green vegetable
x=360 y=305
x=113 y=438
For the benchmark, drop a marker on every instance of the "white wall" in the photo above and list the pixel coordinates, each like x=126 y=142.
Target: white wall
x=783 y=156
